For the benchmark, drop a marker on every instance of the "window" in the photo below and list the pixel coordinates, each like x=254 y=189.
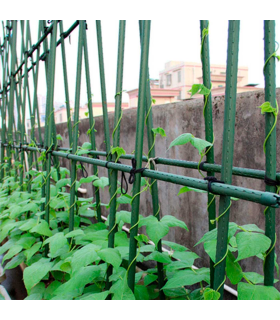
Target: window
x=179 y=76
x=161 y=83
x=60 y=118
x=168 y=79
x=179 y=96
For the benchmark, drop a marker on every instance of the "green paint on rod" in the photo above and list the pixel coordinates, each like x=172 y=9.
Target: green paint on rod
x=227 y=152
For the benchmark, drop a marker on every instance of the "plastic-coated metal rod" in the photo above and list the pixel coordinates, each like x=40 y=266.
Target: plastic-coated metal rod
x=116 y=142
x=270 y=147
x=227 y=153
x=209 y=135
x=264 y=198
x=152 y=154
x=49 y=113
x=12 y=94
x=138 y=151
x=76 y=128
x=4 y=59
x=242 y=172
x=66 y=88
x=91 y=119
x=42 y=39
x=103 y=88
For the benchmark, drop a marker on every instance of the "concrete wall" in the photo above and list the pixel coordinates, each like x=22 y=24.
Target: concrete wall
x=182 y=117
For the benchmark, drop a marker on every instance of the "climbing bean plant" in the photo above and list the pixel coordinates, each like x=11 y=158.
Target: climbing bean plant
x=77 y=247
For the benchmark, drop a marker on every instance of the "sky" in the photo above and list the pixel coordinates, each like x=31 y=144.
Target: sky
x=171 y=39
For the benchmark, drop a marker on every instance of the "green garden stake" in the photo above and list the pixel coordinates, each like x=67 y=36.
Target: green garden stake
x=270 y=147
x=209 y=135
x=116 y=142
x=138 y=151
x=227 y=153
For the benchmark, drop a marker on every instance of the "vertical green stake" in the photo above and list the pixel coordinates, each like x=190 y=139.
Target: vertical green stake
x=4 y=103
x=49 y=118
x=116 y=142
x=139 y=151
x=227 y=154
x=152 y=154
x=209 y=136
x=91 y=121
x=103 y=88
x=12 y=93
x=76 y=128
x=270 y=154
x=67 y=102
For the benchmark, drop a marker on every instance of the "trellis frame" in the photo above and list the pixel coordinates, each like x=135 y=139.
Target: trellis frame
x=14 y=89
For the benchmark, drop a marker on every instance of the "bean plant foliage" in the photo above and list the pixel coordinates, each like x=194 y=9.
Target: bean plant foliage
x=60 y=264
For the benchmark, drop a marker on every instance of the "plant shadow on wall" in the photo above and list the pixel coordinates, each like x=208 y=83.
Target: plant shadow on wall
x=72 y=265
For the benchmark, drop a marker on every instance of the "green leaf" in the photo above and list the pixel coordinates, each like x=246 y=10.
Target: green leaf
x=142 y=238
x=255 y=278
x=88 y=179
x=248 y=291
x=12 y=252
x=174 y=246
x=84 y=256
x=74 y=233
x=121 y=290
x=81 y=152
x=185 y=256
x=233 y=269
x=36 y=272
x=42 y=228
x=149 y=278
x=211 y=235
x=187 y=189
x=185 y=278
x=17 y=260
x=30 y=252
x=87 y=146
x=124 y=216
x=199 y=89
x=171 y=221
x=97 y=296
x=195 y=89
x=159 y=131
x=210 y=294
x=182 y=139
x=251 y=227
x=162 y=257
x=250 y=244
x=111 y=256
x=48 y=294
x=119 y=151
x=34 y=296
x=101 y=183
x=63 y=182
x=124 y=199
x=200 y=144
x=177 y=265
x=141 y=293
x=77 y=283
x=29 y=224
x=59 y=137
x=177 y=292
x=210 y=247
x=121 y=239
x=26 y=241
x=266 y=107
x=155 y=229
x=56 y=242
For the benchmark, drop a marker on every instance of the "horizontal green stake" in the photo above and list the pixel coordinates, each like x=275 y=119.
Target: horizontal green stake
x=264 y=198
x=243 y=172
